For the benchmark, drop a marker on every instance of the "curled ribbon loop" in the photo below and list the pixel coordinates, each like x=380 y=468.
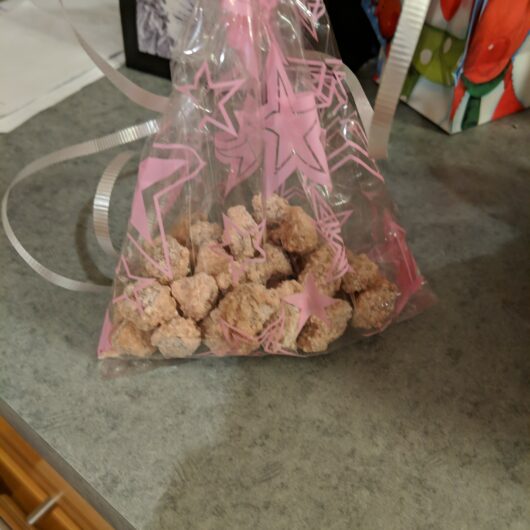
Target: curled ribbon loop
x=137 y=94
x=101 y=204
x=90 y=147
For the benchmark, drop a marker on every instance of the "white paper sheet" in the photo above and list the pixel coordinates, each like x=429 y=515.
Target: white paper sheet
x=41 y=62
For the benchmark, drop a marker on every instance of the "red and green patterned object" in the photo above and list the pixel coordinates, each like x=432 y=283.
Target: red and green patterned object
x=472 y=61
x=489 y=64
x=436 y=58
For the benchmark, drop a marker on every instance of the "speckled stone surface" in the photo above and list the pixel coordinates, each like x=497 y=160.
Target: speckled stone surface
x=423 y=427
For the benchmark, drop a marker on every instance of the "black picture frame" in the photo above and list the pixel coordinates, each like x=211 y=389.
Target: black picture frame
x=134 y=58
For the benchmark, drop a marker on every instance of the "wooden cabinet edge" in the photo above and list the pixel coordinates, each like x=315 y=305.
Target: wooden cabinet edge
x=39 y=481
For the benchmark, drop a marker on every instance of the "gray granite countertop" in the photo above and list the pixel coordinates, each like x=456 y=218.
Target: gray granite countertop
x=423 y=427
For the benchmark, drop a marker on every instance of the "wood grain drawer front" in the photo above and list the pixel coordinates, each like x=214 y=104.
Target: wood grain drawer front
x=27 y=482
x=11 y=514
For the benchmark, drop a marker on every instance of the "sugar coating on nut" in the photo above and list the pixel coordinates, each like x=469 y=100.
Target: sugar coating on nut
x=212 y=259
x=363 y=275
x=291 y=313
x=249 y=292
x=224 y=281
x=287 y=288
x=179 y=337
x=215 y=261
x=317 y=334
x=241 y=243
x=213 y=333
x=181 y=229
x=203 y=232
x=298 y=232
x=149 y=307
x=275 y=208
x=127 y=339
x=375 y=306
x=215 y=340
x=195 y=295
x=179 y=260
x=257 y=272
x=248 y=307
x=318 y=264
x=276 y=265
x=277 y=262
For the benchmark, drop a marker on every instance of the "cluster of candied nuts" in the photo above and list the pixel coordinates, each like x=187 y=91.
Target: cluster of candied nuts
x=217 y=291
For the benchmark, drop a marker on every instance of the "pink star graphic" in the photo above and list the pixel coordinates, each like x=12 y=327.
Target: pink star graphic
x=271 y=337
x=228 y=88
x=151 y=171
x=351 y=135
x=311 y=301
x=124 y=268
x=230 y=228
x=233 y=337
x=294 y=192
x=183 y=167
x=340 y=265
x=350 y=127
x=396 y=251
x=237 y=270
x=329 y=224
x=293 y=135
x=104 y=339
x=139 y=283
x=327 y=220
x=256 y=235
x=309 y=13
x=242 y=152
x=328 y=78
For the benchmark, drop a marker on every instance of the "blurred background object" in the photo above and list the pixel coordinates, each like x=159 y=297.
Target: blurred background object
x=356 y=38
x=42 y=62
x=150 y=28
x=471 y=65
x=472 y=61
x=149 y=31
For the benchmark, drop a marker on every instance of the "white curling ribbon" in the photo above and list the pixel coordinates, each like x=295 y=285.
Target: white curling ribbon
x=90 y=147
x=101 y=203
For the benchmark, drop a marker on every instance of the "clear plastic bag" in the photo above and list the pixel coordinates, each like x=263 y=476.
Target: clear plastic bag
x=259 y=223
